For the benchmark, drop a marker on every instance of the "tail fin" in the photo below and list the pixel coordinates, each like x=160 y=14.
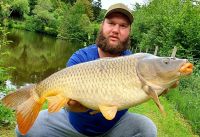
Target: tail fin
x=27 y=105
x=27 y=113
x=16 y=98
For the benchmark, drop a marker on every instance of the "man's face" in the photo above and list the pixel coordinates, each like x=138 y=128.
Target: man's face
x=114 y=34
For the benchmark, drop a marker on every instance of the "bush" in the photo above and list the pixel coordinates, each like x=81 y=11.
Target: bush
x=6 y=114
x=76 y=24
x=166 y=24
x=7 y=117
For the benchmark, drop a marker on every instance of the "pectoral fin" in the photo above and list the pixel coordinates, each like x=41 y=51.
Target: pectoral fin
x=108 y=112
x=55 y=103
x=155 y=98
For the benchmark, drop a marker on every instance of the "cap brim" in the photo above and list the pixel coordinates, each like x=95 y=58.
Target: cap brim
x=120 y=10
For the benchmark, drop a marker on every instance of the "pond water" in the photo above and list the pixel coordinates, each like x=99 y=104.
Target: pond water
x=33 y=57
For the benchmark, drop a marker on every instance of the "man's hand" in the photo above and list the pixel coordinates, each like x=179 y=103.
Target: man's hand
x=75 y=106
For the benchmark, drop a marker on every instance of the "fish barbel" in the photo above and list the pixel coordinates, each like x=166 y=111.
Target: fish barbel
x=105 y=85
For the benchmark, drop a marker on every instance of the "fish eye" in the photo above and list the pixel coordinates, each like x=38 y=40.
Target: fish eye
x=166 y=61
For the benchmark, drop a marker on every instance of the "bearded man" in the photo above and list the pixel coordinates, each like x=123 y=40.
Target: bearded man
x=76 y=121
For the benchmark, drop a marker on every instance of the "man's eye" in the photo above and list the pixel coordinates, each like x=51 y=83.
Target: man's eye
x=124 y=26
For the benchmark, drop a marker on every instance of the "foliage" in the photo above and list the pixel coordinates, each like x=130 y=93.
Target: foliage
x=52 y=17
x=3 y=42
x=94 y=29
x=187 y=101
x=4 y=12
x=166 y=24
x=3 y=38
x=3 y=77
x=43 y=19
x=20 y=7
x=6 y=115
x=32 y=4
x=101 y=16
x=70 y=1
x=96 y=6
x=88 y=8
x=76 y=23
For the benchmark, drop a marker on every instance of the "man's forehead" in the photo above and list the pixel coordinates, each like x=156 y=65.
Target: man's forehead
x=118 y=15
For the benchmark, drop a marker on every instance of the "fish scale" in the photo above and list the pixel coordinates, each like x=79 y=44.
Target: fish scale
x=108 y=82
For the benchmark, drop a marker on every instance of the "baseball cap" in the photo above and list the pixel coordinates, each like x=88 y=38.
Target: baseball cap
x=120 y=8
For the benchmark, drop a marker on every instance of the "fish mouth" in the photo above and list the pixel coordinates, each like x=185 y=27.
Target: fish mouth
x=186 y=69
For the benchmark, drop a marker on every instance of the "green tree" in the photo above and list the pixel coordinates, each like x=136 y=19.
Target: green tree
x=96 y=6
x=43 y=19
x=4 y=12
x=71 y=2
x=32 y=4
x=74 y=26
x=101 y=16
x=166 y=24
x=21 y=7
x=87 y=8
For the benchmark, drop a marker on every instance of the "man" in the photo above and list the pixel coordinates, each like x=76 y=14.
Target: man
x=113 y=41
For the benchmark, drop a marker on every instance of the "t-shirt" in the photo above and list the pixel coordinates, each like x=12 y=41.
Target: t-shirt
x=83 y=122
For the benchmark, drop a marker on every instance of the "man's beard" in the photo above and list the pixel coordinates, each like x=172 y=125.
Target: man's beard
x=103 y=44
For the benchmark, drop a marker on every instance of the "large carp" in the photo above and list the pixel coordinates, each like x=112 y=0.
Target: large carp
x=106 y=85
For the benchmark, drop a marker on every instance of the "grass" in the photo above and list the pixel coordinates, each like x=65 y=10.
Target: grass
x=187 y=101
x=173 y=125
x=7 y=131
x=7 y=122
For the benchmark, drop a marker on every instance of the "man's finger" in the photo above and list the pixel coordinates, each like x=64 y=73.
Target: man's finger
x=72 y=103
x=75 y=106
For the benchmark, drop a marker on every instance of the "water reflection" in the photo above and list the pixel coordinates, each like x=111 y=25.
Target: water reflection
x=35 y=56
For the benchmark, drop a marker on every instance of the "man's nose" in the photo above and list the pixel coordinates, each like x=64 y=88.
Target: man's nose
x=116 y=28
